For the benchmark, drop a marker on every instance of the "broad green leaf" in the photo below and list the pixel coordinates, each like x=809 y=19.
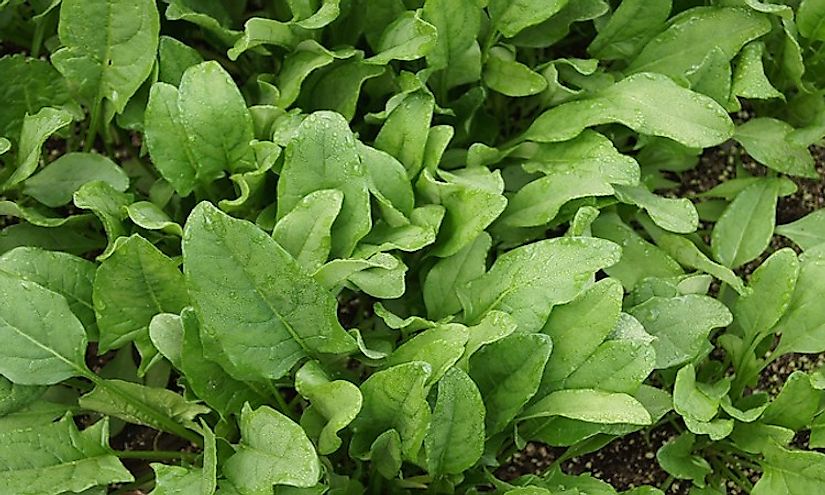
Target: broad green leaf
x=334 y=404
x=66 y=238
x=802 y=327
x=493 y=327
x=323 y=155
x=386 y=452
x=580 y=326
x=585 y=166
x=198 y=132
x=148 y=216
x=697 y=401
x=640 y=259
x=528 y=281
x=458 y=24
x=504 y=74
x=338 y=87
x=143 y=405
x=109 y=205
x=105 y=54
x=394 y=398
x=508 y=373
x=511 y=17
x=273 y=451
x=5 y=145
x=55 y=458
x=673 y=214
x=211 y=16
x=33 y=352
x=35 y=130
x=29 y=84
x=307 y=57
x=206 y=379
x=807 y=232
x=131 y=286
x=381 y=275
x=67 y=275
x=405 y=132
x=629 y=28
x=176 y=480
x=772 y=287
x=455 y=437
x=810 y=19
x=681 y=324
x=57 y=182
x=790 y=472
x=326 y=13
x=558 y=26
x=749 y=79
x=166 y=333
x=796 y=405
x=14 y=397
x=305 y=232
x=408 y=37
x=767 y=141
x=473 y=199
x=687 y=254
x=388 y=178
x=691 y=35
x=648 y=103
x=260 y=312
x=443 y=281
x=40 y=216
x=592 y=406
x=440 y=347
x=174 y=57
x=676 y=457
x=745 y=228
x=259 y=31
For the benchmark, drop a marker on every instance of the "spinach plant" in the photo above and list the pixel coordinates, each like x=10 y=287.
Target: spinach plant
x=347 y=247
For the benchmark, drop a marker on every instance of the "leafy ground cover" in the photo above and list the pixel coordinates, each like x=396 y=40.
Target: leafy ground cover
x=528 y=247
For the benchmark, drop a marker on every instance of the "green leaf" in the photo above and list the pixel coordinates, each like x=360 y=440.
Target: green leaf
x=681 y=324
x=493 y=327
x=14 y=397
x=109 y=205
x=772 y=287
x=198 y=132
x=333 y=403
x=206 y=379
x=455 y=437
x=504 y=74
x=105 y=54
x=796 y=405
x=767 y=141
x=440 y=347
x=139 y=404
x=273 y=451
x=131 y=286
x=687 y=254
x=444 y=280
x=557 y=27
x=259 y=31
x=745 y=228
x=697 y=401
x=408 y=37
x=58 y=181
x=640 y=259
x=630 y=27
x=174 y=58
x=694 y=33
x=511 y=17
x=802 y=327
x=148 y=216
x=676 y=457
x=673 y=214
x=648 y=103
x=67 y=275
x=284 y=314
x=55 y=458
x=35 y=130
x=810 y=19
x=67 y=238
x=457 y=24
x=528 y=281
x=394 y=398
x=5 y=145
x=166 y=333
x=323 y=155
x=807 y=232
x=305 y=232
x=749 y=79
x=788 y=472
x=404 y=134
x=593 y=406
x=29 y=84
x=508 y=373
x=33 y=353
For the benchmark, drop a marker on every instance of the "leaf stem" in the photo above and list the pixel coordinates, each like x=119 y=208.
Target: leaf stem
x=91 y=132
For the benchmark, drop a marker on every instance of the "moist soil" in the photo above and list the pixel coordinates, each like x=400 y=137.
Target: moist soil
x=630 y=461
